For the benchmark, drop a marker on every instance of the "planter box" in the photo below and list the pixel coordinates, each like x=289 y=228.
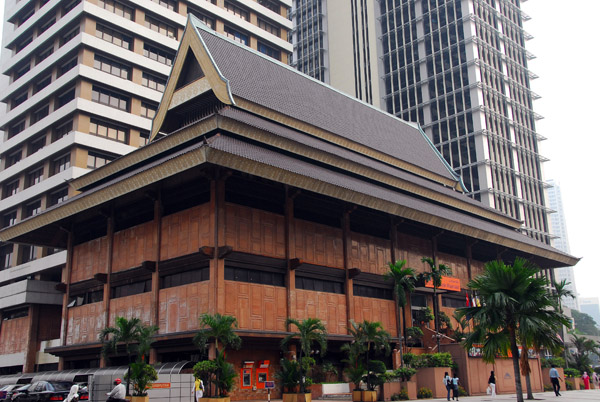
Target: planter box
x=356 y=396
x=369 y=396
x=432 y=378
x=411 y=388
x=226 y=399
x=296 y=398
x=391 y=388
x=140 y=398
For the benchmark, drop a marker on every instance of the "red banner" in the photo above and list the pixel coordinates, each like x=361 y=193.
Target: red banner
x=448 y=283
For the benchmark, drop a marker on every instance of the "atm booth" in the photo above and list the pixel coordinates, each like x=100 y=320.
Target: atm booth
x=254 y=376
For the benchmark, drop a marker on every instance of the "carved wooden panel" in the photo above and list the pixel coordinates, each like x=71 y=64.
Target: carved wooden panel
x=319 y=244
x=89 y=258
x=181 y=306
x=369 y=253
x=133 y=245
x=257 y=307
x=458 y=265
x=13 y=335
x=377 y=310
x=329 y=307
x=185 y=232
x=138 y=306
x=412 y=249
x=254 y=231
x=84 y=323
x=476 y=268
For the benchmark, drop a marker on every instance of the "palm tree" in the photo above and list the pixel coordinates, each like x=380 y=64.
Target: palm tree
x=136 y=337
x=375 y=338
x=561 y=292
x=311 y=331
x=515 y=306
x=585 y=347
x=219 y=328
x=435 y=276
x=404 y=282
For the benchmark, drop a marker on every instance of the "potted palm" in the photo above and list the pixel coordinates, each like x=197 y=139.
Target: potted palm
x=141 y=375
x=310 y=332
x=220 y=329
x=355 y=369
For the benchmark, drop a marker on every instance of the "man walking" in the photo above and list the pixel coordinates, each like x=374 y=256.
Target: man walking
x=554 y=378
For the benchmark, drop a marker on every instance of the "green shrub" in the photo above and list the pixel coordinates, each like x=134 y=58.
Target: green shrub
x=444 y=320
x=434 y=360
x=401 y=396
x=462 y=391
x=424 y=393
x=569 y=385
x=572 y=372
x=548 y=388
x=556 y=361
x=409 y=358
x=404 y=373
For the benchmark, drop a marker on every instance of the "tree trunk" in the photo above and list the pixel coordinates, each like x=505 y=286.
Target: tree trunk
x=400 y=332
x=515 y=358
x=528 y=385
x=435 y=315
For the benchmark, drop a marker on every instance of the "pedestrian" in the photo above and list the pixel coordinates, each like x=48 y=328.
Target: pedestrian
x=492 y=384
x=595 y=380
x=73 y=394
x=554 y=379
x=447 y=383
x=586 y=380
x=455 y=387
x=198 y=389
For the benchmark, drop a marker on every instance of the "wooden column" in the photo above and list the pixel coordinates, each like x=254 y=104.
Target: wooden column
x=66 y=276
x=155 y=308
x=347 y=246
x=32 y=338
x=110 y=231
x=219 y=263
x=212 y=293
x=290 y=252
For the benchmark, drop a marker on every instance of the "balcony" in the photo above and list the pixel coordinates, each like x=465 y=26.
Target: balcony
x=30 y=291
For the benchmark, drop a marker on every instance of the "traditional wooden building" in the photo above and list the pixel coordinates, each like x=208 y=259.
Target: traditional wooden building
x=264 y=195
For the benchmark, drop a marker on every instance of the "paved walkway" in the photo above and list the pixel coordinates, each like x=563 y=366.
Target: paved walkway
x=567 y=396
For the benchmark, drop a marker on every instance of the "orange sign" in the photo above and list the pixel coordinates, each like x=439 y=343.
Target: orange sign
x=448 y=283
x=158 y=385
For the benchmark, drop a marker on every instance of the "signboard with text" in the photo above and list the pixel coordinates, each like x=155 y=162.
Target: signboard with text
x=448 y=283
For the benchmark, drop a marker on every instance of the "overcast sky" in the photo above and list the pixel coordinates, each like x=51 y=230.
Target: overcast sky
x=566 y=43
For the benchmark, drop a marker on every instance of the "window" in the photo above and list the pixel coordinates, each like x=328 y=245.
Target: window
x=161 y=27
x=162 y=56
x=270 y=5
x=319 y=285
x=105 y=129
x=118 y=8
x=66 y=66
x=170 y=4
x=95 y=160
x=40 y=113
x=131 y=289
x=62 y=130
x=87 y=297
x=6 y=255
x=111 y=66
x=373 y=292
x=69 y=35
x=18 y=100
x=25 y=16
x=183 y=278
x=37 y=144
x=13 y=158
x=46 y=25
x=453 y=302
x=21 y=45
x=269 y=27
x=59 y=196
x=70 y=6
x=144 y=138
x=28 y=253
x=254 y=276
x=112 y=36
x=9 y=219
x=236 y=35
x=19 y=313
x=43 y=83
x=22 y=71
x=66 y=97
x=33 y=209
x=44 y=54
x=153 y=82
x=148 y=110
x=110 y=98
x=16 y=128
x=35 y=176
x=61 y=164
x=207 y=20
x=11 y=188
x=269 y=51
x=235 y=10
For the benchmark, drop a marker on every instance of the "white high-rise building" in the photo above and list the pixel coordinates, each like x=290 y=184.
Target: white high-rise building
x=84 y=79
x=558 y=228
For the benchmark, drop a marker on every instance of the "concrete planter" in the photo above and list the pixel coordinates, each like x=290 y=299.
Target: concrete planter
x=394 y=387
x=432 y=378
x=369 y=396
x=140 y=398
x=296 y=398
x=356 y=396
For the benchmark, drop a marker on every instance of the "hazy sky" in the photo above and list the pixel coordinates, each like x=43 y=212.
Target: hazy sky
x=566 y=43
